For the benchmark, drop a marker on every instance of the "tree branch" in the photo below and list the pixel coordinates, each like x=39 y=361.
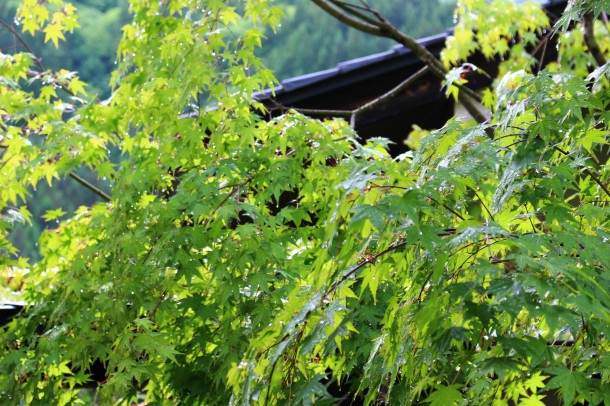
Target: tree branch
x=312 y=112
x=469 y=92
x=154 y=310
x=23 y=42
x=388 y=95
x=388 y=30
x=37 y=60
x=31 y=73
x=89 y=186
x=225 y=199
x=468 y=98
x=383 y=28
x=589 y=24
x=347 y=20
x=354 y=10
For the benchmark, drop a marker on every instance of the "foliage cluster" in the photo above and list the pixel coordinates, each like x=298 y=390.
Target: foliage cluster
x=91 y=51
x=242 y=261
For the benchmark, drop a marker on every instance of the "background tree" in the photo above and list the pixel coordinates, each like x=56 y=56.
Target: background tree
x=92 y=53
x=322 y=41
x=275 y=262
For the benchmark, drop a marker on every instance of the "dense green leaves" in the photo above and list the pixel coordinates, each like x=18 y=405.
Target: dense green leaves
x=244 y=261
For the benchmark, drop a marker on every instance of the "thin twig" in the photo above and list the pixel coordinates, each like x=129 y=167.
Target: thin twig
x=347 y=20
x=39 y=64
x=455 y=213
x=352 y=9
x=543 y=44
x=270 y=379
x=37 y=60
x=423 y=286
x=224 y=200
x=89 y=186
x=312 y=112
x=458 y=215
x=388 y=95
x=484 y=205
x=152 y=314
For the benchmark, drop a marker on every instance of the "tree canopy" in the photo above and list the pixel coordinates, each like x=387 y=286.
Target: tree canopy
x=91 y=51
x=239 y=260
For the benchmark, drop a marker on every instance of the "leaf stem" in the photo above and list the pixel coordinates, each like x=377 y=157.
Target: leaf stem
x=314 y=112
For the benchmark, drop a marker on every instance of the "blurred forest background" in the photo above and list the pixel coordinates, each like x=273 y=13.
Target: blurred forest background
x=308 y=41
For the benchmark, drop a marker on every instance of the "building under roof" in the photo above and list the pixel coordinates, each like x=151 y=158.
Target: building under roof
x=354 y=83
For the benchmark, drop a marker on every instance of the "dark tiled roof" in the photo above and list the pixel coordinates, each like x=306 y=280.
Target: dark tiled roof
x=295 y=89
x=397 y=56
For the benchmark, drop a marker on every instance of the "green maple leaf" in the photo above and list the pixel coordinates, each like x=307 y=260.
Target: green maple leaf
x=445 y=395
x=51 y=215
x=77 y=86
x=54 y=33
x=566 y=381
x=534 y=400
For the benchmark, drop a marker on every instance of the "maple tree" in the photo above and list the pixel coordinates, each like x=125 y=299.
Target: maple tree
x=246 y=261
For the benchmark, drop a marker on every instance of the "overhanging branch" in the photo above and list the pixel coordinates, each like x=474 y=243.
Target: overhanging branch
x=312 y=112
x=346 y=19
x=388 y=95
x=353 y=17
x=89 y=186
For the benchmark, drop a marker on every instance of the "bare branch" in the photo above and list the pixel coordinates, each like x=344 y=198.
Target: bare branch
x=353 y=9
x=388 y=95
x=89 y=186
x=383 y=28
x=311 y=112
x=346 y=19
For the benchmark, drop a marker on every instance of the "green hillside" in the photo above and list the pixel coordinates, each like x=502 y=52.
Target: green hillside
x=310 y=40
